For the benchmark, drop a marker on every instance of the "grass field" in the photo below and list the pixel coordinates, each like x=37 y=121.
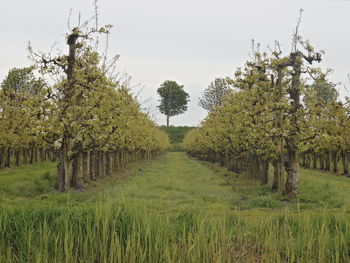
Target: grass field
x=176 y=135
x=175 y=209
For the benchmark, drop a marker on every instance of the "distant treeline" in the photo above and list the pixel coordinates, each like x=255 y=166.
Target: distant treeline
x=176 y=134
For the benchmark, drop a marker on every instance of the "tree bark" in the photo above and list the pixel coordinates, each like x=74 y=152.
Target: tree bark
x=17 y=157
x=304 y=161
x=328 y=162
x=292 y=164
x=86 y=166
x=344 y=158
x=108 y=164
x=60 y=180
x=292 y=169
x=264 y=172
x=314 y=161
x=64 y=169
x=35 y=154
x=321 y=160
x=1 y=159
x=335 y=162
x=31 y=158
x=8 y=158
x=77 y=176
x=92 y=166
x=307 y=161
x=25 y=156
x=277 y=175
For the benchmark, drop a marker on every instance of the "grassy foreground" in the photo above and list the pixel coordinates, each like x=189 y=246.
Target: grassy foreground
x=175 y=209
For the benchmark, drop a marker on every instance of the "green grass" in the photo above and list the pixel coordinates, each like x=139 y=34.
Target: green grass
x=174 y=184
x=175 y=209
x=27 y=181
x=176 y=133
x=318 y=190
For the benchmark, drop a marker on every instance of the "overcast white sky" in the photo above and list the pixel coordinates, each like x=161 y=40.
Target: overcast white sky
x=189 y=41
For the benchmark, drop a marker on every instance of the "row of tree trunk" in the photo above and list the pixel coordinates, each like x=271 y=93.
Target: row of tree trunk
x=328 y=161
x=19 y=156
x=258 y=169
x=252 y=166
x=88 y=166
x=82 y=167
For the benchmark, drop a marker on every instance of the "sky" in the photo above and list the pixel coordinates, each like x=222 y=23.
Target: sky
x=189 y=41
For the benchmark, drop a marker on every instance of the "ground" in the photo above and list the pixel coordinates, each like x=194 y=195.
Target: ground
x=176 y=182
x=179 y=209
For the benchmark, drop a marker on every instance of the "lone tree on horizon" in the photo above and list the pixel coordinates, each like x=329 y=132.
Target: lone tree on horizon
x=173 y=99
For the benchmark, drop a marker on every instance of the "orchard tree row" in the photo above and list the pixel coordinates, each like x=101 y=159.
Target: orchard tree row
x=78 y=112
x=280 y=111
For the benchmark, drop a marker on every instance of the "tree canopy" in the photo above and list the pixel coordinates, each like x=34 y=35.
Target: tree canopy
x=284 y=111
x=86 y=119
x=173 y=99
x=213 y=96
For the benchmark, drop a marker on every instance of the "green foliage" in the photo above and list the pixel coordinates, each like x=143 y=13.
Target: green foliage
x=22 y=105
x=85 y=109
x=173 y=99
x=176 y=133
x=22 y=80
x=266 y=120
x=213 y=96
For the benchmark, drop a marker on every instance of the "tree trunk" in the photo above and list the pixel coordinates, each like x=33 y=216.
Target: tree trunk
x=17 y=157
x=328 y=162
x=86 y=166
x=25 y=156
x=314 y=161
x=167 y=121
x=344 y=158
x=100 y=164
x=31 y=158
x=77 y=176
x=8 y=158
x=63 y=167
x=307 y=161
x=292 y=164
x=103 y=164
x=264 y=172
x=1 y=159
x=321 y=158
x=292 y=169
x=53 y=156
x=304 y=161
x=277 y=175
x=41 y=154
x=92 y=166
x=335 y=162
x=36 y=154
x=108 y=164
x=60 y=180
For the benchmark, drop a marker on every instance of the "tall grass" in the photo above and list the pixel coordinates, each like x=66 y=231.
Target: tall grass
x=124 y=233
x=172 y=210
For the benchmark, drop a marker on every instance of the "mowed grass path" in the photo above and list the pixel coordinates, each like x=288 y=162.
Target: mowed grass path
x=176 y=183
